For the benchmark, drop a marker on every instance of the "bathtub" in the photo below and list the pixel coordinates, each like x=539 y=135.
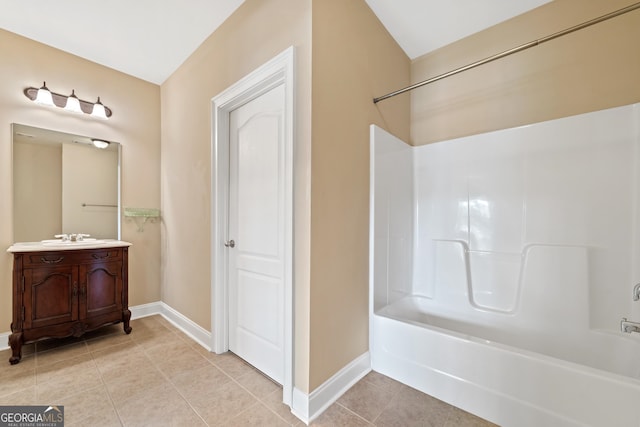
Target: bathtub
x=507 y=385
x=501 y=265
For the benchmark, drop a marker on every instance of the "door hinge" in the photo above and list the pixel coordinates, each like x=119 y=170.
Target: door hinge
x=22 y=284
x=23 y=313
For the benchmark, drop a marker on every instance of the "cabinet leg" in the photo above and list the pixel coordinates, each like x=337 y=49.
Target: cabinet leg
x=15 y=341
x=126 y=317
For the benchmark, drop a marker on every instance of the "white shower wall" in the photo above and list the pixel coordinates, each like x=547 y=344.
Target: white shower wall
x=393 y=191
x=533 y=227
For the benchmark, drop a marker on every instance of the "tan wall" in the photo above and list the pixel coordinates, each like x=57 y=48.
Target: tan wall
x=354 y=60
x=255 y=33
x=589 y=70
x=135 y=123
x=370 y=64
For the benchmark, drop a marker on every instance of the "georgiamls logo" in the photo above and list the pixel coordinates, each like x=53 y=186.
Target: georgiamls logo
x=32 y=416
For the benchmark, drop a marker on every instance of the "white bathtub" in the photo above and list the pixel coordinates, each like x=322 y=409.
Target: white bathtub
x=501 y=265
x=510 y=386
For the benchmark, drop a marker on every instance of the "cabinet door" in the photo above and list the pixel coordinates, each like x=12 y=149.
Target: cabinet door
x=50 y=296
x=100 y=289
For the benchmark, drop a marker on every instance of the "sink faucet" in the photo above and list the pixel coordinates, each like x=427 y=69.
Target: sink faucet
x=71 y=237
x=636 y=292
x=628 y=326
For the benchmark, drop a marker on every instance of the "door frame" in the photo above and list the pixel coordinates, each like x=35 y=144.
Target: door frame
x=278 y=71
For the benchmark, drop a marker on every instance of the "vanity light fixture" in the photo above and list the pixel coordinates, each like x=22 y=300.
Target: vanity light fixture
x=99 y=143
x=71 y=102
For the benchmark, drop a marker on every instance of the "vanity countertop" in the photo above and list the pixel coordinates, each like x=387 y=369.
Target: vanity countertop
x=66 y=246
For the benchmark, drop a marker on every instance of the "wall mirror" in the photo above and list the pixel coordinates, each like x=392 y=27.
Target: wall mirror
x=64 y=183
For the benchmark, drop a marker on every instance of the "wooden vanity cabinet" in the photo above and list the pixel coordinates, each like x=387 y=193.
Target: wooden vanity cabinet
x=67 y=293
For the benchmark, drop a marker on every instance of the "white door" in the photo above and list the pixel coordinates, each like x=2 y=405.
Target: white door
x=256 y=270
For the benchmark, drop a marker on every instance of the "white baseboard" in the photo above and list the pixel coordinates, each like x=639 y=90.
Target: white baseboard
x=186 y=325
x=144 y=310
x=4 y=341
x=309 y=407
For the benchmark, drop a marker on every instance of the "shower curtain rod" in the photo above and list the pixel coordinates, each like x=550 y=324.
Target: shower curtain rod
x=511 y=51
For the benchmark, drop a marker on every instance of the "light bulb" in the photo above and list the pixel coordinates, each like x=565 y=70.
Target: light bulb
x=98 y=110
x=73 y=103
x=44 y=96
x=98 y=143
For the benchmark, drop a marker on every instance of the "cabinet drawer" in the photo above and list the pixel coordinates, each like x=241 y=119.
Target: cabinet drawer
x=97 y=255
x=39 y=259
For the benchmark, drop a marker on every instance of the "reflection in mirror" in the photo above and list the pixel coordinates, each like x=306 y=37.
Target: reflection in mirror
x=64 y=183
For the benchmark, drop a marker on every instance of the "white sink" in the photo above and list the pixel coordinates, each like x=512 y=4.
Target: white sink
x=58 y=242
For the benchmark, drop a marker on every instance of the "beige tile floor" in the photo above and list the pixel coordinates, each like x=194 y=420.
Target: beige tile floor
x=158 y=376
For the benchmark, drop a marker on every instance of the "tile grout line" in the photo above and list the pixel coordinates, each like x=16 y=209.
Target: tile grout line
x=388 y=404
x=155 y=365
x=106 y=389
x=261 y=402
x=354 y=413
x=10 y=392
x=113 y=404
x=258 y=400
x=52 y=350
x=380 y=388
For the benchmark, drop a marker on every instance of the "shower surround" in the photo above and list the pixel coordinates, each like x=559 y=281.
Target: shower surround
x=502 y=264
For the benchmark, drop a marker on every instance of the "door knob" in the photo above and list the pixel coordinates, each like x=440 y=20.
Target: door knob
x=230 y=244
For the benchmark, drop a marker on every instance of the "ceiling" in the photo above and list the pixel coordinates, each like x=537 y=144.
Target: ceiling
x=421 y=26
x=150 y=39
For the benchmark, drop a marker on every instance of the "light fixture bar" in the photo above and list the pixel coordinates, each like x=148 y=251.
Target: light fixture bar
x=61 y=102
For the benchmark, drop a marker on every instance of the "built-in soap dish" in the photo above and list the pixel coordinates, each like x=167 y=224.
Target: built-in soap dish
x=141 y=215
